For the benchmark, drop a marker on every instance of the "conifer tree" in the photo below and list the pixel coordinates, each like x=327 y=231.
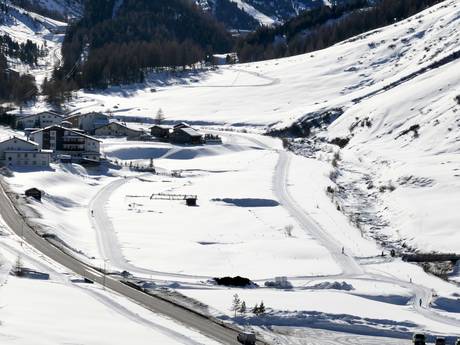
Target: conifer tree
x=243 y=308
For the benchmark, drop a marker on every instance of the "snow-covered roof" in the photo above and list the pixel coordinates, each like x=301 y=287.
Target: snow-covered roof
x=189 y=131
x=42 y=113
x=20 y=139
x=119 y=125
x=69 y=130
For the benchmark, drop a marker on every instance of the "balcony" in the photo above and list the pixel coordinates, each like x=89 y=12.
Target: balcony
x=78 y=141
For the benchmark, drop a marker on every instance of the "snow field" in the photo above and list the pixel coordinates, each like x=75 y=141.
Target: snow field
x=59 y=311
x=244 y=235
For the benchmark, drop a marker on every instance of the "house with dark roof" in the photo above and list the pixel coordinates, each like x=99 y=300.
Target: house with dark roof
x=160 y=132
x=185 y=135
x=67 y=141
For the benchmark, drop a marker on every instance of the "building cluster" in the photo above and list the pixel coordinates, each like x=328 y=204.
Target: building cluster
x=51 y=136
x=182 y=133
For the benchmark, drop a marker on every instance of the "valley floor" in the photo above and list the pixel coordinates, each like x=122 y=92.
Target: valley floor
x=262 y=213
x=320 y=217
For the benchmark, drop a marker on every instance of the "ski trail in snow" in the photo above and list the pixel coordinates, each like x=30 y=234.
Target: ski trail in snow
x=110 y=247
x=350 y=267
x=280 y=185
x=107 y=239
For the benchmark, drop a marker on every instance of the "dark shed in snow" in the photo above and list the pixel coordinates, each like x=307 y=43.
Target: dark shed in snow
x=34 y=193
x=186 y=136
x=161 y=132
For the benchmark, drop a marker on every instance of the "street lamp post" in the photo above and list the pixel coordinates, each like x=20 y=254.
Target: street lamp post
x=104 y=273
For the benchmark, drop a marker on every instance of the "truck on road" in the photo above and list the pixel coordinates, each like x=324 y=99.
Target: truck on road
x=246 y=338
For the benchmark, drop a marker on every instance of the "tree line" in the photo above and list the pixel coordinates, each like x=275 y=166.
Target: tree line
x=15 y=87
x=117 y=45
x=27 y=52
x=325 y=26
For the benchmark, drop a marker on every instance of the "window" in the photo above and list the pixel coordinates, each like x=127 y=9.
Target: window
x=9 y=158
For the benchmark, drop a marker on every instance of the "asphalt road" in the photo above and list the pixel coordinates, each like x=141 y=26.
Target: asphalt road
x=188 y=318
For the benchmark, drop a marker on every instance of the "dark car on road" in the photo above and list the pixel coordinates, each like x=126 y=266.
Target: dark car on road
x=440 y=341
x=419 y=339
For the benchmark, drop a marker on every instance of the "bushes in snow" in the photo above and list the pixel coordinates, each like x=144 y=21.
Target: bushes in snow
x=414 y=128
x=388 y=187
x=344 y=286
x=340 y=142
x=336 y=159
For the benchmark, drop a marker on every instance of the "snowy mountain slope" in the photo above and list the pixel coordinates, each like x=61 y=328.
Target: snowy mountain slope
x=272 y=12
x=66 y=8
x=21 y=26
x=261 y=17
x=413 y=144
x=277 y=92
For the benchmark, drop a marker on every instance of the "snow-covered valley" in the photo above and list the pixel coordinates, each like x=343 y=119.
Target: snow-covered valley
x=324 y=216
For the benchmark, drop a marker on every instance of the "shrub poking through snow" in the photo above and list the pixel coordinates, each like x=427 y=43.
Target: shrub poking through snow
x=414 y=129
x=243 y=308
x=389 y=187
x=18 y=267
x=336 y=159
x=344 y=286
x=333 y=175
x=457 y=99
x=288 y=230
